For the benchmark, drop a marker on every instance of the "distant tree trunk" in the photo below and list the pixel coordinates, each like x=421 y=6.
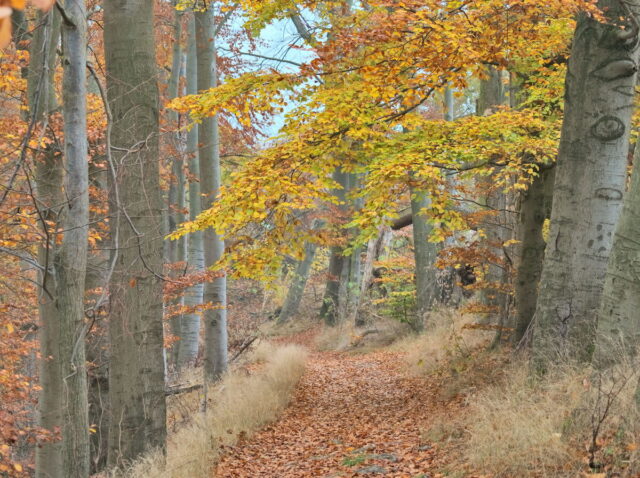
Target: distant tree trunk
x=176 y=196
x=215 y=292
x=193 y=298
x=590 y=180
x=619 y=319
x=491 y=92
x=491 y=96
x=375 y=249
x=330 y=309
x=298 y=283
x=71 y=260
x=533 y=212
x=354 y=277
x=425 y=253
x=349 y=289
x=97 y=340
x=136 y=371
x=445 y=278
x=49 y=177
x=449 y=104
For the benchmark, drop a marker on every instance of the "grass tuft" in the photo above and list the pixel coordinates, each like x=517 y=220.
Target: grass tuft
x=238 y=406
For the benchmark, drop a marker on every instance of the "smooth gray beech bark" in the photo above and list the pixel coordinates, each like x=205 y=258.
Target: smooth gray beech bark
x=590 y=182
x=619 y=315
x=534 y=209
x=298 y=283
x=491 y=92
x=449 y=104
x=215 y=291
x=376 y=248
x=354 y=277
x=335 y=289
x=49 y=177
x=445 y=278
x=495 y=227
x=329 y=308
x=136 y=370
x=71 y=258
x=350 y=275
x=193 y=298
x=425 y=253
x=176 y=198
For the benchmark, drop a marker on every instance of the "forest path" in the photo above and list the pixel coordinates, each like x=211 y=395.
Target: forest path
x=352 y=415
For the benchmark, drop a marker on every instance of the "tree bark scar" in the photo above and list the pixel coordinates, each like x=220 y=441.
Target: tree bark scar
x=615 y=69
x=609 y=194
x=608 y=128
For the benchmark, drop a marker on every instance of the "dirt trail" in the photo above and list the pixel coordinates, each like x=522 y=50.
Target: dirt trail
x=351 y=416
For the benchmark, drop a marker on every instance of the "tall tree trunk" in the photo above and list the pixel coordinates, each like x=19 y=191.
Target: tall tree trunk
x=375 y=249
x=71 y=261
x=491 y=92
x=349 y=288
x=334 y=290
x=425 y=253
x=298 y=283
x=491 y=96
x=533 y=212
x=618 y=319
x=590 y=180
x=49 y=177
x=176 y=196
x=329 y=308
x=446 y=280
x=136 y=373
x=190 y=328
x=354 y=277
x=215 y=291
x=449 y=104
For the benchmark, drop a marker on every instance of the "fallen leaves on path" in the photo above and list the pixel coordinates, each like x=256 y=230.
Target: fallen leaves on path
x=352 y=416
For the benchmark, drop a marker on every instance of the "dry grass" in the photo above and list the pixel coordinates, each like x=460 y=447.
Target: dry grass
x=555 y=426
x=346 y=336
x=444 y=341
x=239 y=405
x=516 y=427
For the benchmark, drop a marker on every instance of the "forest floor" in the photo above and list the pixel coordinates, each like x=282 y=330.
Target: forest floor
x=352 y=415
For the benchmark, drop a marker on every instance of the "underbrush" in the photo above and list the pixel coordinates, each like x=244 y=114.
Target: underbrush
x=449 y=340
x=346 y=336
x=238 y=405
x=505 y=421
x=572 y=420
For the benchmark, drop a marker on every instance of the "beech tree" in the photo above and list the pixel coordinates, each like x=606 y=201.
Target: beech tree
x=590 y=180
x=190 y=328
x=136 y=368
x=215 y=291
x=618 y=314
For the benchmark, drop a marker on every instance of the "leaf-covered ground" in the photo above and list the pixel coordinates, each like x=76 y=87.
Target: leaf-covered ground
x=352 y=416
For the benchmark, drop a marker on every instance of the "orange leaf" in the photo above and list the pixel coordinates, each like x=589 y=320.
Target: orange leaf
x=43 y=4
x=18 y=4
x=5 y=31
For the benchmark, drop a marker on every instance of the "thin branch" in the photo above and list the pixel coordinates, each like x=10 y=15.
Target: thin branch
x=280 y=60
